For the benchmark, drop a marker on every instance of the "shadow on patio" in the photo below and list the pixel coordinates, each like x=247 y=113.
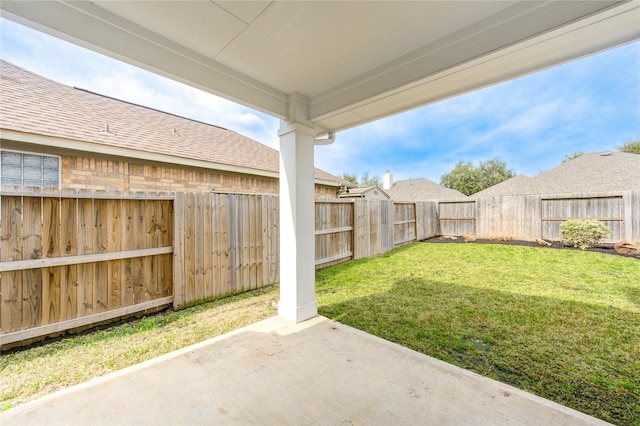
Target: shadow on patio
x=276 y=372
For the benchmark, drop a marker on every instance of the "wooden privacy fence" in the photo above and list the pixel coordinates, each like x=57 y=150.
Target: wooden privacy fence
x=607 y=209
x=334 y=232
x=457 y=217
x=353 y=229
x=68 y=260
x=224 y=244
x=527 y=217
x=72 y=260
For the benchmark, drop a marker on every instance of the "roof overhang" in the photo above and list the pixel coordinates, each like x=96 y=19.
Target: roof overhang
x=48 y=144
x=21 y=141
x=353 y=61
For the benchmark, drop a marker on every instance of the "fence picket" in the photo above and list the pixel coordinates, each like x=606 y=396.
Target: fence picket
x=179 y=256
x=32 y=249
x=51 y=277
x=101 y=287
x=189 y=247
x=198 y=246
x=10 y=249
x=244 y=229
x=114 y=243
x=225 y=241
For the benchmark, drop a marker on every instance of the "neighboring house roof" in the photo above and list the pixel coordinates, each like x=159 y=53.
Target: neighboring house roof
x=598 y=172
x=35 y=105
x=519 y=184
x=421 y=189
x=362 y=191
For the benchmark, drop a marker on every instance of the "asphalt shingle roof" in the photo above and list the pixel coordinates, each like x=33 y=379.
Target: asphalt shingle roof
x=519 y=184
x=33 y=104
x=420 y=190
x=590 y=173
x=360 y=190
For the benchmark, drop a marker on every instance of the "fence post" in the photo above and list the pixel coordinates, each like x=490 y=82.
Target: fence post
x=354 y=242
x=362 y=237
x=178 y=250
x=631 y=215
x=419 y=215
x=391 y=225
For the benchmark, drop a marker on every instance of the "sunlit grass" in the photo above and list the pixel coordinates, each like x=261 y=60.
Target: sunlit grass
x=562 y=324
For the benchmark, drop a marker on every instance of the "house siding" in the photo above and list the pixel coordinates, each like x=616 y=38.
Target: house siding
x=80 y=172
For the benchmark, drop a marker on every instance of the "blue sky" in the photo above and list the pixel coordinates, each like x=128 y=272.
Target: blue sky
x=532 y=123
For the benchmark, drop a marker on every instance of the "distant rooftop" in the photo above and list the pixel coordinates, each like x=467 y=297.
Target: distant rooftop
x=421 y=189
x=595 y=173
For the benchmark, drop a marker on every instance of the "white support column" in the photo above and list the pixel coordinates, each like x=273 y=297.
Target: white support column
x=297 y=215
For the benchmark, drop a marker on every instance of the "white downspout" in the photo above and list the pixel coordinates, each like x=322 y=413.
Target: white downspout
x=331 y=137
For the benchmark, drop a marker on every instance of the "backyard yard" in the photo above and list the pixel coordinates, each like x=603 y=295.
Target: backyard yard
x=562 y=324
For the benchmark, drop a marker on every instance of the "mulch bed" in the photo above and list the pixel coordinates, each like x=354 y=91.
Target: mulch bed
x=600 y=248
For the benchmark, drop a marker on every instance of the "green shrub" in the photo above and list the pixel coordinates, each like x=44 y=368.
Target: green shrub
x=583 y=233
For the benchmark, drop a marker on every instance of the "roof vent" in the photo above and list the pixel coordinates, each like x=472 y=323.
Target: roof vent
x=106 y=131
x=606 y=153
x=174 y=132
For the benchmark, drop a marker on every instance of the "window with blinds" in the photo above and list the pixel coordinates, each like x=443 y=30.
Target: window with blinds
x=26 y=169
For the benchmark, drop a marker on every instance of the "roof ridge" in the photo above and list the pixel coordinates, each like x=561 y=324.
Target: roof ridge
x=42 y=77
x=146 y=107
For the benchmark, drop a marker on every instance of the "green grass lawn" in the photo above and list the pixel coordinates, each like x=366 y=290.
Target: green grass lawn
x=561 y=324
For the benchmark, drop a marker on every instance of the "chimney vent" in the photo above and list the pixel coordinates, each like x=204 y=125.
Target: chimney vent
x=387 y=180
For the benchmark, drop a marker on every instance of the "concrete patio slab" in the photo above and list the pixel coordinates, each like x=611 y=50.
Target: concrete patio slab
x=278 y=373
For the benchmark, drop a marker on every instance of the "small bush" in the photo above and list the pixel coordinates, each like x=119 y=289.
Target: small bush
x=583 y=233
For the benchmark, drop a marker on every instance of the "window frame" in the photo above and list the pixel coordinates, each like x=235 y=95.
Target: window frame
x=41 y=186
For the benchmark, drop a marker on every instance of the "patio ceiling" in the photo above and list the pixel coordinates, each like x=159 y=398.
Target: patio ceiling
x=354 y=62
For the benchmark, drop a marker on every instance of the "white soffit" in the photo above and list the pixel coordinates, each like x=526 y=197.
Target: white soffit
x=307 y=47
x=247 y=10
x=354 y=61
x=202 y=26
